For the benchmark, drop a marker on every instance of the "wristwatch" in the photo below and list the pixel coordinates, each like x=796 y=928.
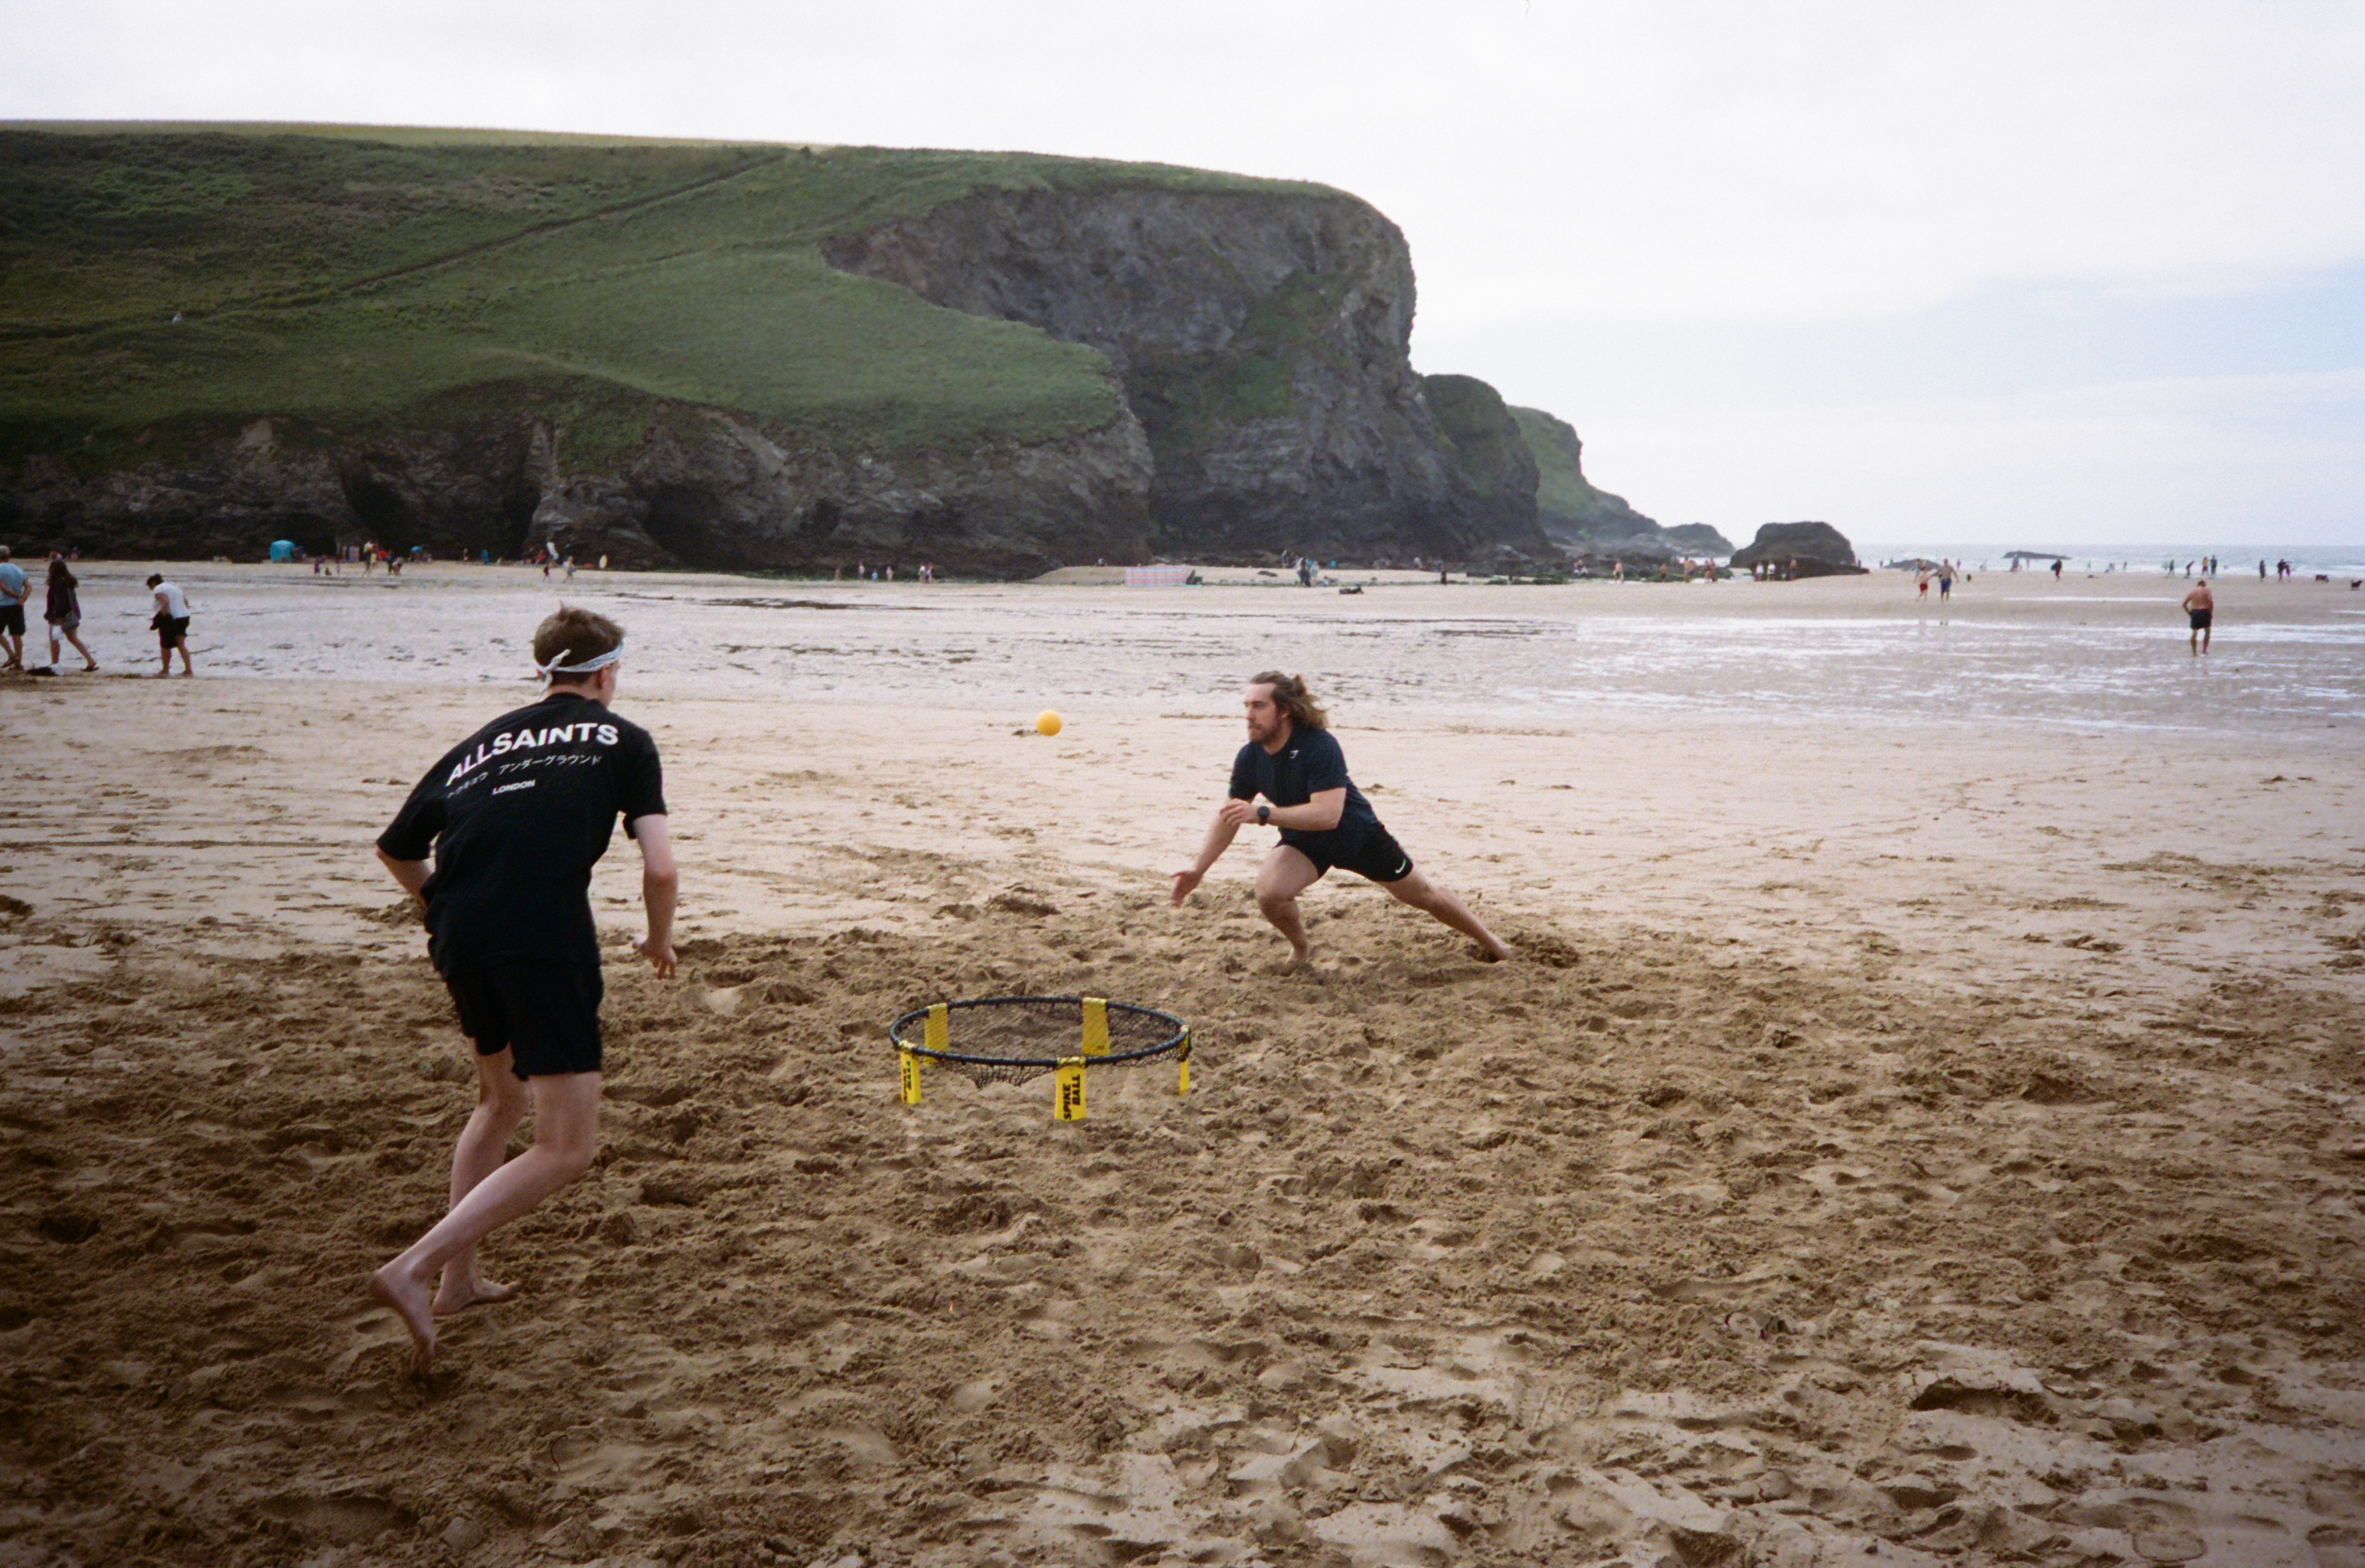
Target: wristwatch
x=1264 y=816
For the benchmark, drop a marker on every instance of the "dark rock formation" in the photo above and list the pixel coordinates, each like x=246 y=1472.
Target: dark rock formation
x=707 y=487
x=1800 y=550
x=700 y=488
x=233 y=492
x=1487 y=447
x=1262 y=341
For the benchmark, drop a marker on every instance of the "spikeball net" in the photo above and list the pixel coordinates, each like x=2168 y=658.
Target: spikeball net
x=1010 y=1039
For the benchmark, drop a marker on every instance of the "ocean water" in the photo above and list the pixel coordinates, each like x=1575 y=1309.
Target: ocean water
x=2335 y=560
x=2098 y=652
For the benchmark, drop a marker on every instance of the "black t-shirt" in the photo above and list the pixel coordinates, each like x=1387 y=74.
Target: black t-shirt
x=517 y=815
x=1311 y=761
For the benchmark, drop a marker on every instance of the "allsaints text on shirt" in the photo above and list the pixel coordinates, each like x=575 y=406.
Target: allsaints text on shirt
x=523 y=740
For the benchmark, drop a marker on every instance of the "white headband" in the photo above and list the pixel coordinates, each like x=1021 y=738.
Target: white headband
x=601 y=661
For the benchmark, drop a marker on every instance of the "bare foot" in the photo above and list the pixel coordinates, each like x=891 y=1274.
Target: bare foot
x=1500 y=953
x=475 y=1293
x=410 y=1300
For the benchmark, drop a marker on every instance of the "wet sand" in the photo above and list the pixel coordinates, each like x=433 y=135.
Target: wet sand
x=1907 y=1137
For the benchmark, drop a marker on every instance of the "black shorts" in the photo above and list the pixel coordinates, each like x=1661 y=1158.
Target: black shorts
x=544 y=1011
x=12 y=618
x=2199 y=620
x=171 y=629
x=1379 y=858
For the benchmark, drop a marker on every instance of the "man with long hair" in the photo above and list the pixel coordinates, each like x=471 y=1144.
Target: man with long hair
x=516 y=815
x=1292 y=761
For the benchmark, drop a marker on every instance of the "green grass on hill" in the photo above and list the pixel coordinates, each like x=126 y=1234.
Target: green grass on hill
x=1562 y=488
x=363 y=276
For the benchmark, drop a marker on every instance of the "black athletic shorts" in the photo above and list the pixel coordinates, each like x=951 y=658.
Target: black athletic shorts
x=545 y=1012
x=12 y=618
x=2199 y=620
x=1379 y=858
x=171 y=629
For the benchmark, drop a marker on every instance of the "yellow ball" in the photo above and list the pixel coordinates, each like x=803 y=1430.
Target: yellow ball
x=1047 y=723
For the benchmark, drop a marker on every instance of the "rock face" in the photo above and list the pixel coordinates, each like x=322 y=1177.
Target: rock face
x=235 y=493
x=1261 y=403
x=700 y=488
x=1801 y=549
x=1583 y=521
x=1263 y=343
x=715 y=490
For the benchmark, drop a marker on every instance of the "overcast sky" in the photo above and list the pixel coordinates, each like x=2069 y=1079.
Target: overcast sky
x=1981 y=273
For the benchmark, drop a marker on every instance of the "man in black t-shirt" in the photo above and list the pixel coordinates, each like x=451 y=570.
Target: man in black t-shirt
x=1292 y=760
x=516 y=815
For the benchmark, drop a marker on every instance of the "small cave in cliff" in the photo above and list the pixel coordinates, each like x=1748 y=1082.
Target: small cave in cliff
x=688 y=521
x=381 y=510
x=518 y=507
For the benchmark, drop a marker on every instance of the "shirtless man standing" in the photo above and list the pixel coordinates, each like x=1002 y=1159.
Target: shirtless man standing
x=2203 y=609
x=517 y=814
x=1292 y=761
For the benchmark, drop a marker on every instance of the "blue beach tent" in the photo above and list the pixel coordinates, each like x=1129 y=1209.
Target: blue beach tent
x=283 y=549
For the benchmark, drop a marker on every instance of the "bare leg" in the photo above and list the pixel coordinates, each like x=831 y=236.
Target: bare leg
x=1286 y=873
x=1426 y=896
x=502 y=1102
x=566 y=1135
x=89 y=659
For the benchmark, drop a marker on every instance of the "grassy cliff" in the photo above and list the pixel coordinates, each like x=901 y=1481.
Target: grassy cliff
x=158 y=279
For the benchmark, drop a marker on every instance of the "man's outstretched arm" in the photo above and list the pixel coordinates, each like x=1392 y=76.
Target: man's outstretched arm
x=1220 y=834
x=660 y=890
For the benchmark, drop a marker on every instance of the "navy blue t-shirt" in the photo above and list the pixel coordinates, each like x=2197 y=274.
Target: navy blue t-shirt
x=1310 y=761
x=517 y=814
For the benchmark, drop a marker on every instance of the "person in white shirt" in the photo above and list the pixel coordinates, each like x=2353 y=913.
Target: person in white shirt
x=172 y=622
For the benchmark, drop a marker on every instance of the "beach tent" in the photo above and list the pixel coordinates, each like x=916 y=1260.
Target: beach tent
x=283 y=549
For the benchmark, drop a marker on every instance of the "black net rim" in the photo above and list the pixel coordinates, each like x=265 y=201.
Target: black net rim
x=916 y=1020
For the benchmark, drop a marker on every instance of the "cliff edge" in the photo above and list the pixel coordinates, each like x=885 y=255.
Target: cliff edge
x=1262 y=341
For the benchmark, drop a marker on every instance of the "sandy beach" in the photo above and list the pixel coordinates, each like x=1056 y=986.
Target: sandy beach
x=1926 y=1121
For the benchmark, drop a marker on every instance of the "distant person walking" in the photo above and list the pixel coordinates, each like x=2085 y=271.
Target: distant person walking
x=172 y=624
x=13 y=591
x=1945 y=582
x=2202 y=608
x=63 y=612
x=2056 y=568
x=1921 y=586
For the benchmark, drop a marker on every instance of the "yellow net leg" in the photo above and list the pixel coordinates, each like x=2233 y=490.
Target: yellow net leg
x=939 y=1028
x=1183 y=1071
x=907 y=1069
x=1068 y=1093
x=1096 y=1026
